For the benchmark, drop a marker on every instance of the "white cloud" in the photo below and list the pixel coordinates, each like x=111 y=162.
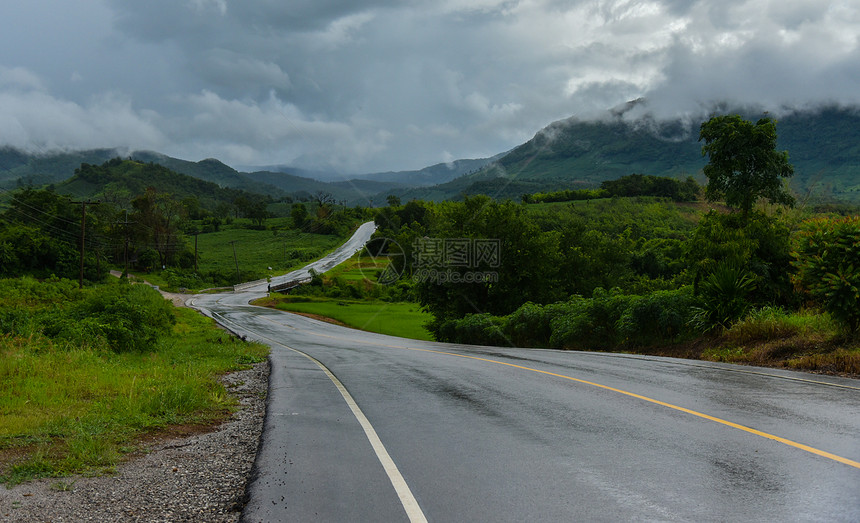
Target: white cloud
x=31 y=118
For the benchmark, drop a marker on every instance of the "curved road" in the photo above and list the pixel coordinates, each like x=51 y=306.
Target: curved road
x=366 y=427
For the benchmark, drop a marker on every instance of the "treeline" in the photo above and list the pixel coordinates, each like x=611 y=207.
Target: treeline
x=616 y=273
x=631 y=185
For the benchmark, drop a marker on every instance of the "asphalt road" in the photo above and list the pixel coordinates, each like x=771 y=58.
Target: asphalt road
x=460 y=433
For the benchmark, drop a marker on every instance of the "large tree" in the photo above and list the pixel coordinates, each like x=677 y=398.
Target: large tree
x=743 y=163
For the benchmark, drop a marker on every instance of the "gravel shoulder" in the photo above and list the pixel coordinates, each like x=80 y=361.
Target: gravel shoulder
x=195 y=478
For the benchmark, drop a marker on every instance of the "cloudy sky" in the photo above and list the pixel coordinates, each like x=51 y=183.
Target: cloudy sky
x=370 y=85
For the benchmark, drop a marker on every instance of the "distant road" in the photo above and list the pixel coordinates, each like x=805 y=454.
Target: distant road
x=366 y=427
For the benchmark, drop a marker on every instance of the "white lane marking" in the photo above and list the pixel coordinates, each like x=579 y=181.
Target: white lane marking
x=407 y=499
x=410 y=504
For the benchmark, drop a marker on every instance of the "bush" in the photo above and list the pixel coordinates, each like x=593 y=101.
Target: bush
x=588 y=324
x=724 y=297
x=770 y=323
x=531 y=325
x=124 y=317
x=481 y=329
x=662 y=316
x=827 y=259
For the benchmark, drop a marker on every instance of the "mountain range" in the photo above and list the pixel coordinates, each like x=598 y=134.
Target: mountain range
x=823 y=145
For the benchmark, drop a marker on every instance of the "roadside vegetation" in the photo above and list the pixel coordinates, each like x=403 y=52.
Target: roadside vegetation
x=648 y=273
x=84 y=374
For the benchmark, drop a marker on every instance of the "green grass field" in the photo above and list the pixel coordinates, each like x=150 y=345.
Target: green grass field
x=68 y=409
x=258 y=250
x=396 y=319
x=357 y=269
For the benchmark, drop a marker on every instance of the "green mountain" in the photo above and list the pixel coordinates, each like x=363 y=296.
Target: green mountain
x=119 y=181
x=433 y=175
x=823 y=146
x=39 y=169
x=19 y=167
x=210 y=170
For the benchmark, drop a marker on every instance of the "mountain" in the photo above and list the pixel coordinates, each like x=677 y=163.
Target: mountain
x=433 y=175
x=121 y=180
x=18 y=166
x=38 y=169
x=210 y=170
x=823 y=146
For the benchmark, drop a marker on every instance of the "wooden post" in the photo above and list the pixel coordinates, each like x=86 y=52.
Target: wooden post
x=83 y=236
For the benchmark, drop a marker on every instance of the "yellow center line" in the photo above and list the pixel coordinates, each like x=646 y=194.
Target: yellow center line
x=708 y=417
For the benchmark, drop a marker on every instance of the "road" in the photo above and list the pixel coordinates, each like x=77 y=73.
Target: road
x=440 y=432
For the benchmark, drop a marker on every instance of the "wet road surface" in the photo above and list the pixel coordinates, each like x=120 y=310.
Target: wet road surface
x=491 y=434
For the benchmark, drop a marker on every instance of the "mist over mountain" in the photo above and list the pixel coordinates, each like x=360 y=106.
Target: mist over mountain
x=823 y=145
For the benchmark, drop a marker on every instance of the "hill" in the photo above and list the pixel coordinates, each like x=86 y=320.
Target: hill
x=39 y=169
x=433 y=175
x=210 y=170
x=20 y=167
x=823 y=145
x=119 y=181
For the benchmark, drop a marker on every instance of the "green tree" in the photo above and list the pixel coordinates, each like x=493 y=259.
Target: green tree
x=157 y=219
x=743 y=163
x=525 y=267
x=299 y=214
x=827 y=258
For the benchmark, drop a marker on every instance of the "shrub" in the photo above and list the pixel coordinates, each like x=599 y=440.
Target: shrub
x=590 y=323
x=723 y=297
x=827 y=259
x=477 y=329
x=531 y=325
x=662 y=316
x=123 y=317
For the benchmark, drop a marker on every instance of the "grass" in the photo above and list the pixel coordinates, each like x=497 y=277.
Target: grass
x=68 y=409
x=256 y=251
x=805 y=340
x=404 y=319
x=358 y=269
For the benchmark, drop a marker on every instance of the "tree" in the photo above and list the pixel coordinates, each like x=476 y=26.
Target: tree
x=827 y=259
x=743 y=163
x=156 y=220
x=299 y=214
x=523 y=261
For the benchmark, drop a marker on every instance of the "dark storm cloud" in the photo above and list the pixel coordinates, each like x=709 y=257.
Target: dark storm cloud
x=387 y=84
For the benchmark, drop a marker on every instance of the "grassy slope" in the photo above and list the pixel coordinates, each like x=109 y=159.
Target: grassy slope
x=67 y=409
x=396 y=319
x=258 y=250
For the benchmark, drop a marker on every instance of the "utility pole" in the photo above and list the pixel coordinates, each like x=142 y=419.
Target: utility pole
x=83 y=235
x=195 y=250
x=125 y=225
x=233 y=243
